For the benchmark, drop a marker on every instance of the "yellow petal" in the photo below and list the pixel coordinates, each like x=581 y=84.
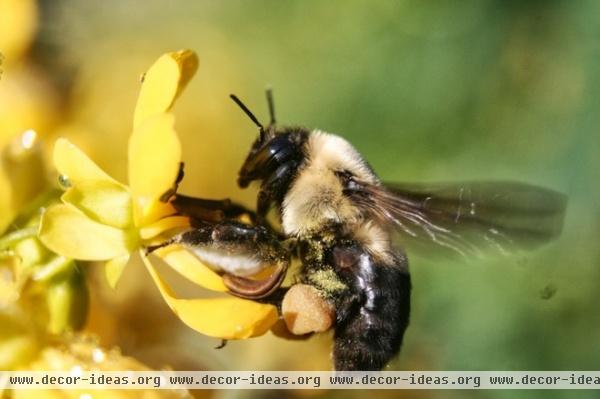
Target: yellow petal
x=154 y=156
x=101 y=200
x=18 y=24
x=70 y=161
x=68 y=232
x=156 y=210
x=163 y=225
x=163 y=82
x=113 y=269
x=227 y=318
x=191 y=268
x=30 y=253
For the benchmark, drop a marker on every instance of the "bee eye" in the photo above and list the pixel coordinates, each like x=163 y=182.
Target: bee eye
x=264 y=160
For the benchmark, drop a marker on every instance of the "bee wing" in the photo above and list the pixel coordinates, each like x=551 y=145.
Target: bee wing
x=470 y=218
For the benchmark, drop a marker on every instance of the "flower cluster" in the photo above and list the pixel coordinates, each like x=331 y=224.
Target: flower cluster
x=49 y=234
x=101 y=219
x=43 y=255
x=42 y=294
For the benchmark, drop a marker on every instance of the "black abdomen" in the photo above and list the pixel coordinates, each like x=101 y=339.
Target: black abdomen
x=372 y=317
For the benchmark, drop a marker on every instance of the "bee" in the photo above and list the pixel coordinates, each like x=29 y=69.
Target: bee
x=349 y=230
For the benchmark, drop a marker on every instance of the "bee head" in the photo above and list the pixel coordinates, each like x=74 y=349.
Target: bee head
x=272 y=148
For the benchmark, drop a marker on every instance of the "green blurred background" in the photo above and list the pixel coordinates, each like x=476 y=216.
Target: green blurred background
x=426 y=91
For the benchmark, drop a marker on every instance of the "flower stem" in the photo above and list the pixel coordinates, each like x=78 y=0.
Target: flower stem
x=18 y=235
x=52 y=268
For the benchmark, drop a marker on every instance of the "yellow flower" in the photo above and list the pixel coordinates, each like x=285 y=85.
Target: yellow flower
x=42 y=295
x=101 y=219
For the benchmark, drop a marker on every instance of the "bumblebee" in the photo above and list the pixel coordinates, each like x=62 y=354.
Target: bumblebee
x=349 y=229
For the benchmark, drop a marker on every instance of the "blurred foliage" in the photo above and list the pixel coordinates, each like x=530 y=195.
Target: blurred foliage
x=84 y=354
x=427 y=91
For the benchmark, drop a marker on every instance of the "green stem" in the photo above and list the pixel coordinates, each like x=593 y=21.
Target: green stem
x=19 y=235
x=52 y=268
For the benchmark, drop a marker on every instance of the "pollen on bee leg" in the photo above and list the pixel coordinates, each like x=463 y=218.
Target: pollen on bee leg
x=305 y=311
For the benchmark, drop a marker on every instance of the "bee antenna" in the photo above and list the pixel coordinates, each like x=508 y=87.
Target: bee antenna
x=249 y=113
x=271 y=104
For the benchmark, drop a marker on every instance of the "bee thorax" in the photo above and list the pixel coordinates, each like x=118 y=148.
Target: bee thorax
x=316 y=196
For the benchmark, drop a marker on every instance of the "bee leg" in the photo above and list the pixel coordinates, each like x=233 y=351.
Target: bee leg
x=263 y=204
x=262 y=243
x=151 y=248
x=239 y=250
x=371 y=320
x=208 y=210
x=196 y=236
x=170 y=192
x=203 y=209
x=222 y=344
x=248 y=288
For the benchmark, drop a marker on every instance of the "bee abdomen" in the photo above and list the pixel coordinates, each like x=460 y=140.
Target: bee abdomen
x=370 y=322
